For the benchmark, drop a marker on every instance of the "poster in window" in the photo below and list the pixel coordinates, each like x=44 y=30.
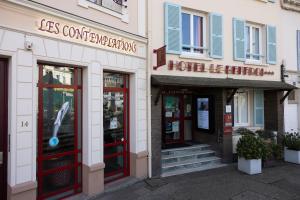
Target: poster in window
x=203 y=113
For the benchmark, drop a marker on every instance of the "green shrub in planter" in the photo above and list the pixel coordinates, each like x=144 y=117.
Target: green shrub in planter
x=292 y=141
x=266 y=134
x=244 y=131
x=251 y=147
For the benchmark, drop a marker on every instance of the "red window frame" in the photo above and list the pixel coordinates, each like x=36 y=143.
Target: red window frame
x=77 y=186
x=126 y=145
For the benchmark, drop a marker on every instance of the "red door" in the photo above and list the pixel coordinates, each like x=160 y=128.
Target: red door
x=59 y=132
x=3 y=128
x=116 y=126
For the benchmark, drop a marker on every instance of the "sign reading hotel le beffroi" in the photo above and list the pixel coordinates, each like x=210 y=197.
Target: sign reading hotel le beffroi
x=86 y=35
x=216 y=68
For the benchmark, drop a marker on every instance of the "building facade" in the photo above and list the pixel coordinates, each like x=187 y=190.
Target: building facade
x=73 y=96
x=222 y=72
x=290 y=22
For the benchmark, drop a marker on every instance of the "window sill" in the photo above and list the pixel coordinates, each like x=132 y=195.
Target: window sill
x=254 y=62
x=195 y=57
x=85 y=4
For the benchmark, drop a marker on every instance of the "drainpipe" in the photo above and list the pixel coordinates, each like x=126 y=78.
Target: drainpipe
x=148 y=74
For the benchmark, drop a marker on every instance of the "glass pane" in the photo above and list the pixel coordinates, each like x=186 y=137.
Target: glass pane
x=58 y=162
x=187 y=105
x=259 y=119
x=236 y=109
x=198 y=34
x=255 y=40
x=113 y=164
x=79 y=116
x=58 y=75
x=243 y=103
x=113 y=116
x=58 y=120
x=172 y=131
x=171 y=104
x=248 y=42
x=186 y=29
x=57 y=181
x=113 y=149
x=113 y=80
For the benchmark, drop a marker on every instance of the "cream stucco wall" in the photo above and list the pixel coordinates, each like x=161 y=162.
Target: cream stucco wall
x=18 y=25
x=255 y=11
x=81 y=8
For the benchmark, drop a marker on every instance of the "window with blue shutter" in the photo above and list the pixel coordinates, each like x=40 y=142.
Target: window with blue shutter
x=173 y=28
x=271 y=45
x=258 y=107
x=216 y=35
x=239 y=45
x=298 y=48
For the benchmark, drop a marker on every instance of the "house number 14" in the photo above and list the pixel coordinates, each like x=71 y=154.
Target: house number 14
x=25 y=124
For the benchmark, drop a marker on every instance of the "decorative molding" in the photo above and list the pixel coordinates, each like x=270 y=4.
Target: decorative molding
x=293 y=5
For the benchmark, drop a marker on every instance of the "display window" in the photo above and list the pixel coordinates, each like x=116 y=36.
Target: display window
x=59 y=131
x=116 y=125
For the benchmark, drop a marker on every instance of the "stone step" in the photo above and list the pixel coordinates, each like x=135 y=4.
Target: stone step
x=185 y=150
x=189 y=164
x=188 y=156
x=196 y=169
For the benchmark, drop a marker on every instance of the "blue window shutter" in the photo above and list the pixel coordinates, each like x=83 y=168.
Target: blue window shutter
x=216 y=35
x=239 y=44
x=271 y=45
x=258 y=107
x=173 y=28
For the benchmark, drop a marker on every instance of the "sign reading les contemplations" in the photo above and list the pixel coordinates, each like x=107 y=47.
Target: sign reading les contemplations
x=87 y=35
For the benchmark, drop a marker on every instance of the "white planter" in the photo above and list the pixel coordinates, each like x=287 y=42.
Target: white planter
x=249 y=166
x=291 y=156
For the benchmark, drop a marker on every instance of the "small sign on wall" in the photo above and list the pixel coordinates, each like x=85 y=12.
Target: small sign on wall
x=228 y=124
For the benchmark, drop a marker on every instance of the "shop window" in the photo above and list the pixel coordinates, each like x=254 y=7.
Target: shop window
x=253 y=42
x=241 y=109
x=193 y=33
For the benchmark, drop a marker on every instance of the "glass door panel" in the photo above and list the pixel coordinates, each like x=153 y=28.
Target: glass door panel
x=59 y=132
x=115 y=123
x=172 y=125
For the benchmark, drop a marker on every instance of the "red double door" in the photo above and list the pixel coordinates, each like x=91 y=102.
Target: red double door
x=3 y=128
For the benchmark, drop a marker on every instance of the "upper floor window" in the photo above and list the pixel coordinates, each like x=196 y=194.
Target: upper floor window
x=193 y=33
x=253 y=41
x=114 y=5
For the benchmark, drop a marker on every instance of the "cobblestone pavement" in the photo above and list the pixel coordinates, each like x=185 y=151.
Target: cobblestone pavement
x=279 y=182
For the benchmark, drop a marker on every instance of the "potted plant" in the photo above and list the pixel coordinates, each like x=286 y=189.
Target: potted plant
x=250 y=151
x=292 y=147
x=237 y=135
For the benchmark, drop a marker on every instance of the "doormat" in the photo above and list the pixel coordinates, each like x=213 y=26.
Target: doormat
x=155 y=183
x=172 y=146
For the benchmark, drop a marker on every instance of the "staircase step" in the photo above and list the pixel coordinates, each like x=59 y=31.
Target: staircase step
x=184 y=171
x=189 y=164
x=188 y=156
x=184 y=150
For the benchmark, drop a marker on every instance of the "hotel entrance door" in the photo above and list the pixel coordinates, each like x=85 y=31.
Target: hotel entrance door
x=3 y=128
x=177 y=118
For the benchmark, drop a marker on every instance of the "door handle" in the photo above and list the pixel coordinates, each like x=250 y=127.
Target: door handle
x=1 y=158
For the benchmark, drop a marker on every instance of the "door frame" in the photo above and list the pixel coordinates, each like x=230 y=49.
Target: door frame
x=126 y=151
x=5 y=136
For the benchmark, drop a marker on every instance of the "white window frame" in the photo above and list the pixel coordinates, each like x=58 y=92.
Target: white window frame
x=251 y=60
x=192 y=53
x=124 y=16
x=239 y=124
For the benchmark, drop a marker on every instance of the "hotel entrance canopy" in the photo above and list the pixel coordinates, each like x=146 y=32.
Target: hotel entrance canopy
x=183 y=81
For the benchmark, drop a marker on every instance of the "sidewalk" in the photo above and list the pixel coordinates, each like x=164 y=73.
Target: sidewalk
x=280 y=182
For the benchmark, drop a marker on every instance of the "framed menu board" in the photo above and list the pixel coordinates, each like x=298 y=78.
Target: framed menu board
x=204 y=114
